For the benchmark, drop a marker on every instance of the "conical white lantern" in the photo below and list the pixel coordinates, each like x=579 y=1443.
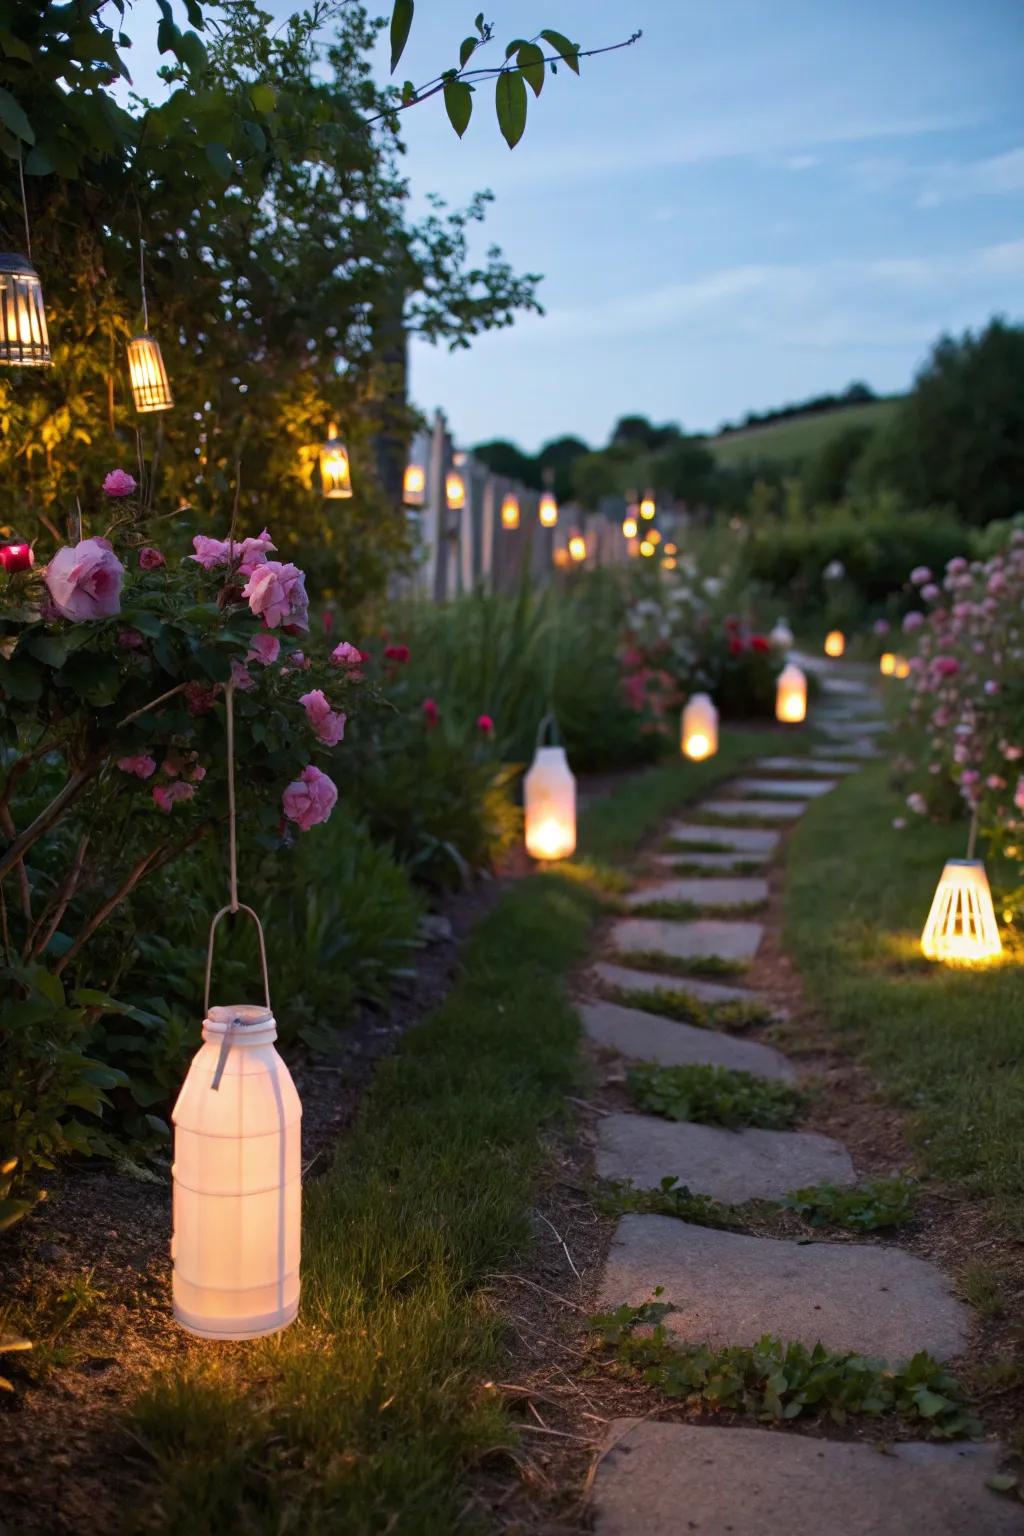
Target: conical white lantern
x=781 y=635
x=961 y=926
x=699 y=734
x=791 y=695
x=237 y=1182
x=549 y=803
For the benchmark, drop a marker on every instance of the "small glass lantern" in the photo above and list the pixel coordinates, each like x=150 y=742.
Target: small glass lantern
x=646 y=548
x=887 y=664
x=510 y=512
x=577 y=547
x=629 y=528
x=414 y=485
x=549 y=803
x=791 y=695
x=547 y=511
x=653 y=536
x=699 y=733
x=669 y=563
x=961 y=927
x=671 y=549
x=901 y=667
x=647 y=505
x=633 y=548
x=148 y=376
x=454 y=490
x=24 y=342
x=335 y=469
x=835 y=643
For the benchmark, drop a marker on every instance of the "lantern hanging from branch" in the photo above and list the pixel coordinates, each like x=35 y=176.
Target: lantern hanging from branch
x=454 y=490
x=629 y=528
x=549 y=804
x=835 y=643
x=887 y=664
x=414 y=485
x=547 y=511
x=24 y=341
x=577 y=547
x=335 y=468
x=151 y=390
x=901 y=667
x=961 y=926
x=510 y=512
x=699 y=734
x=791 y=695
x=647 y=505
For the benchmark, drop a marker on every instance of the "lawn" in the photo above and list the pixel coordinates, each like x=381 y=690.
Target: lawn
x=797 y=437
x=947 y=1044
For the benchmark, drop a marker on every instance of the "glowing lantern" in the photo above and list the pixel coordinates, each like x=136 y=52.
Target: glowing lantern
x=791 y=696
x=901 y=667
x=671 y=549
x=455 y=491
x=578 y=547
x=961 y=925
x=151 y=390
x=237 y=1181
x=647 y=507
x=633 y=547
x=335 y=470
x=414 y=485
x=646 y=547
x=781 y=635
x=16 y=557
x=561 y=558
x=547 y=511
x=24 y=342
x=699 y=735
x=629 y=528
x=887 y=664
x=669 y=563
x=549 y=803
x=510 y=512
x=835 y=643
x=653 y=536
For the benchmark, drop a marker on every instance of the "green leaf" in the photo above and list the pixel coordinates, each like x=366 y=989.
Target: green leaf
x=510 y=102
x=220 y=160
x=191 y=52
x=401 y=21
x=13 y=46
x=458 y=101
x=570 y=52
x=467 y=48
x=95 y=679
x=263 y=97
x=10 y=1212
x=13 y=117
x=21 y=680
x=51 y=650
x=531 y=66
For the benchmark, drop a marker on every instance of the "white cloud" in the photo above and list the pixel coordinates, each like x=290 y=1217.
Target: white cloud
x=996 y=176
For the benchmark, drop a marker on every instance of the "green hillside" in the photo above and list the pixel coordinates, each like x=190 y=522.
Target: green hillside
x=797 y=437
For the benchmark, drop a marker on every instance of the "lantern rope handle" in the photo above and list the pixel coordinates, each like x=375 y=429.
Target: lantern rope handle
x=142 y=280
x=549 y=727
x=24 y=205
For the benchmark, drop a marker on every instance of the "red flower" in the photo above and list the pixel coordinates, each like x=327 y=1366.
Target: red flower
x=759 y=643
x=485 y=725
x=735 y=646
x=397 y=653
x=431 y=713
x=16 y=557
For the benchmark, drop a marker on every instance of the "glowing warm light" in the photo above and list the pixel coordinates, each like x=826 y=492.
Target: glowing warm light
x=647 y=506
x=629 y=528
x=237 y=1184
x=24 y=342
x=547 y=511
x=549 y=804
x=633 y=547
x=835 y=643
x=961 y=927
x=646 y=547
x=561 y=558
x=414 y=485
x=578 y=547
x=670 y=563
x=455 y=491
x=698 y=736
x=901 y=667
x=791 y=696
x=335 y=469
x=510 y=512
x=671 y=549
x=653 y=536
x=151 y=390
x=16 y=557
x=887 y=664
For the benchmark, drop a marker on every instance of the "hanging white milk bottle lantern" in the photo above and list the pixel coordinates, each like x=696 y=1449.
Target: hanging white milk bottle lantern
x=414 y=485
x=549 y=800
x=335 y=467
x=510 y=512
x=547 y=511
x=699 y=734
x=791 y=695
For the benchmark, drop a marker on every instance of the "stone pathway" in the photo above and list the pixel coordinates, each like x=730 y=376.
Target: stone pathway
x=729 y=1288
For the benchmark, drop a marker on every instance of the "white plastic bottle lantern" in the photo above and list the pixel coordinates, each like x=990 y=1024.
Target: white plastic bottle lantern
x=699 y=735
x=237 y=1176
x=549 y=803
x=781 y=635
x=791 y=695
x=835 y=643
x=961 y=927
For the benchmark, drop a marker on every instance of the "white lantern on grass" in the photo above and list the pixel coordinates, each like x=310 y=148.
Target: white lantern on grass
x=791 y=695
x=699 y=735
x=961 y=926
x=781 y=635
x=549 y=803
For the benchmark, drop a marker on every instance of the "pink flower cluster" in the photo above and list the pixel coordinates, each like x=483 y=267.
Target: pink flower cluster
x=274 y=589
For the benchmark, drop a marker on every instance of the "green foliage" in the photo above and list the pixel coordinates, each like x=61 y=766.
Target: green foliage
x=865 y=1207
x=674 y=1199
x=713 y=1096
x=668 y=965
x=677 y=1003
x=773 y=1381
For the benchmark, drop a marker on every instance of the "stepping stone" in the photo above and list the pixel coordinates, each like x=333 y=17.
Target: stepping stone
x=738 y=892
x=807 y=789
x=723 y=861
x=727 y=1165
x=851 y=728
x=722 y=938
x=652 y=981
x=649 y=1037
x=763 y=810
x=803 y=765
x=730 y=1289
x=861 y=749
x=665 y=1479
x=740 y=839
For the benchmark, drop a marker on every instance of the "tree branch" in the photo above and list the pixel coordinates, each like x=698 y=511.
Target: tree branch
x=35 y=946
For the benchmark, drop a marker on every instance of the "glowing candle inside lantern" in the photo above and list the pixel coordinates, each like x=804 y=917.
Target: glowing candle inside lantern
x=335 y=469
x=629 y=528
x=547 y=511
x=455 y=491
x=237 y=1182
x=647 y=507
x=646 y=547
x=961 y=927
x=901 y=667
x=510 y=512
x=791 y=695
x=414 y=485
x=699 y=732
x=578 y=547
x=549 y=804
x=887 y=664
x=669 y=563
x=151 y=390
x=835 y=643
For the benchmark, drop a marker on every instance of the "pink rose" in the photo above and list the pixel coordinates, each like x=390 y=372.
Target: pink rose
x=129 y=639
x=431 y=713
x=166 y=796
x=85 y=582
x=195 y=773
x=241 y=676
x=309 y=799
x=264 y=648
x=917 y=804
x=346 y=655
x=150 y=559
x=899 y=822
x=945 y=666
x=247 y=554
x=991 y=687
x=920 y=574
x=1011 y=753
x=200 y=698
x=485 y=725
x=1018 y=795
x=995 y=782
x=912 y=621
x=956 y=566
x=328 y=724
x=277 y=594
x=970 y=777
x=930 y=592
x=299 y=661
x=120 y=483
x=142 y=765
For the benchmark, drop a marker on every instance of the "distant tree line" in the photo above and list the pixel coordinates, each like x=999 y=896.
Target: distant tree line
x=854 y=394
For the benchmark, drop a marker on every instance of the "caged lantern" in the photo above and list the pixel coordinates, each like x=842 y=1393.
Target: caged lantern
x=24 y=341
x=791 y=695
x=414 y=485
x=335 y=467
x=236 y=1175
x=454 y=490
x=151 y=390
x=510 y=512
x=961 y=927
x=577 y=548
x=699 y=732
x=549 y=802
x=835 y=643
x=547 y=511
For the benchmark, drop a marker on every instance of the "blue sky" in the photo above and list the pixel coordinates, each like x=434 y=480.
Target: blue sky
x=755 y=203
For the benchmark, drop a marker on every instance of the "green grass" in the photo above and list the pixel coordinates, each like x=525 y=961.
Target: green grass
x=798 y=437
x=946 y=1043
x=365 y=1414
x=713 y=1096
x=676 y=1003
x=670 y=965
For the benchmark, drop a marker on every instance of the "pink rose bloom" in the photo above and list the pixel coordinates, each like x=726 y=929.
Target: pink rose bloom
x=150 y=559
x=991 y=687
x=899 y=822
x=920 y=574
x=300 y=661
x=346 y=655
x=485 y=725
x=264 y=648
x=200 y=698
x=917 y=804
x=1012 y=754
x=1018 y=795
x=241 y=676
x=995 y=782
x=881 y=626
x=945 y=666
x=120 y=483
x=277 y=594
x=328 y=724
x=912 y=621
x=970 y=777
x=195 y=773
x=309 y=799
x=129 y=639
x=85 y=582
x=142 y=765
x=930 y=592
x=209 y=553
x=431 y=713
x=956 y=566
x=247 y=554
x=166 y=796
